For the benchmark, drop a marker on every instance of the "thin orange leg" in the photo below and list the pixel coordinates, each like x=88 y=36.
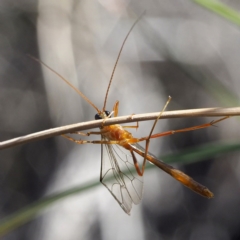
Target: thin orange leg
x=147 y=139
x=93 y=142
x=150 y=135
x=136 y=126
x=115 y=110
x=206 y=125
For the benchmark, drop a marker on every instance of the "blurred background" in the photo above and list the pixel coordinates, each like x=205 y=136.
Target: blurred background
x=179 y=49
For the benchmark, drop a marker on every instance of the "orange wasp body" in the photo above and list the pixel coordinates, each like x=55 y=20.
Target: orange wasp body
x=121 y=172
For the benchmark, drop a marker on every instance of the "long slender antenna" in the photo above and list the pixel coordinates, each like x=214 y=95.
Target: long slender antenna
x=110 y=81
x=67 y=82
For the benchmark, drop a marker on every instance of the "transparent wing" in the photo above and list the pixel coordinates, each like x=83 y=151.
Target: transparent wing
x=140 y=148
x=119 y=176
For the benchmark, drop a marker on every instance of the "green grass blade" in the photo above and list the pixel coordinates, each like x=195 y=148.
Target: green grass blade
x=189 y=156
x=221 y=9
x=202 y=153
x=26 y=214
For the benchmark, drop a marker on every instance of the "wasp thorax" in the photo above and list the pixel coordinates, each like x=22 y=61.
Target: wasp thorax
x=102 y=115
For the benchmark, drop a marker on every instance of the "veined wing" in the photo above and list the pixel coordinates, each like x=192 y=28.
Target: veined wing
x=140 y=148
x=119 y=176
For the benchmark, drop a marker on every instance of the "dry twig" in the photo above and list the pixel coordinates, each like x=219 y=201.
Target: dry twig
x=202 y=112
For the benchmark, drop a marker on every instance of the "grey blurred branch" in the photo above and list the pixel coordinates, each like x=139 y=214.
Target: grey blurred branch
x=202 y=112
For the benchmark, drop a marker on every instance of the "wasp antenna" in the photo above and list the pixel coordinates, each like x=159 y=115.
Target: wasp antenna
x=66 y=81
x=114 y=68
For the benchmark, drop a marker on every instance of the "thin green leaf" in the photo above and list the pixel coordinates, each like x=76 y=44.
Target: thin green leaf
x=221 y=9
x=189 y=156
x=201 y=153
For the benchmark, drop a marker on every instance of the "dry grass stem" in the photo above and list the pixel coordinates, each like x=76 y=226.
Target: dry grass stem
x=203 y=112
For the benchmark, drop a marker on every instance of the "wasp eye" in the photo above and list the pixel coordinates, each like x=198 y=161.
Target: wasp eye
x=97 y=117
x=107 y=113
